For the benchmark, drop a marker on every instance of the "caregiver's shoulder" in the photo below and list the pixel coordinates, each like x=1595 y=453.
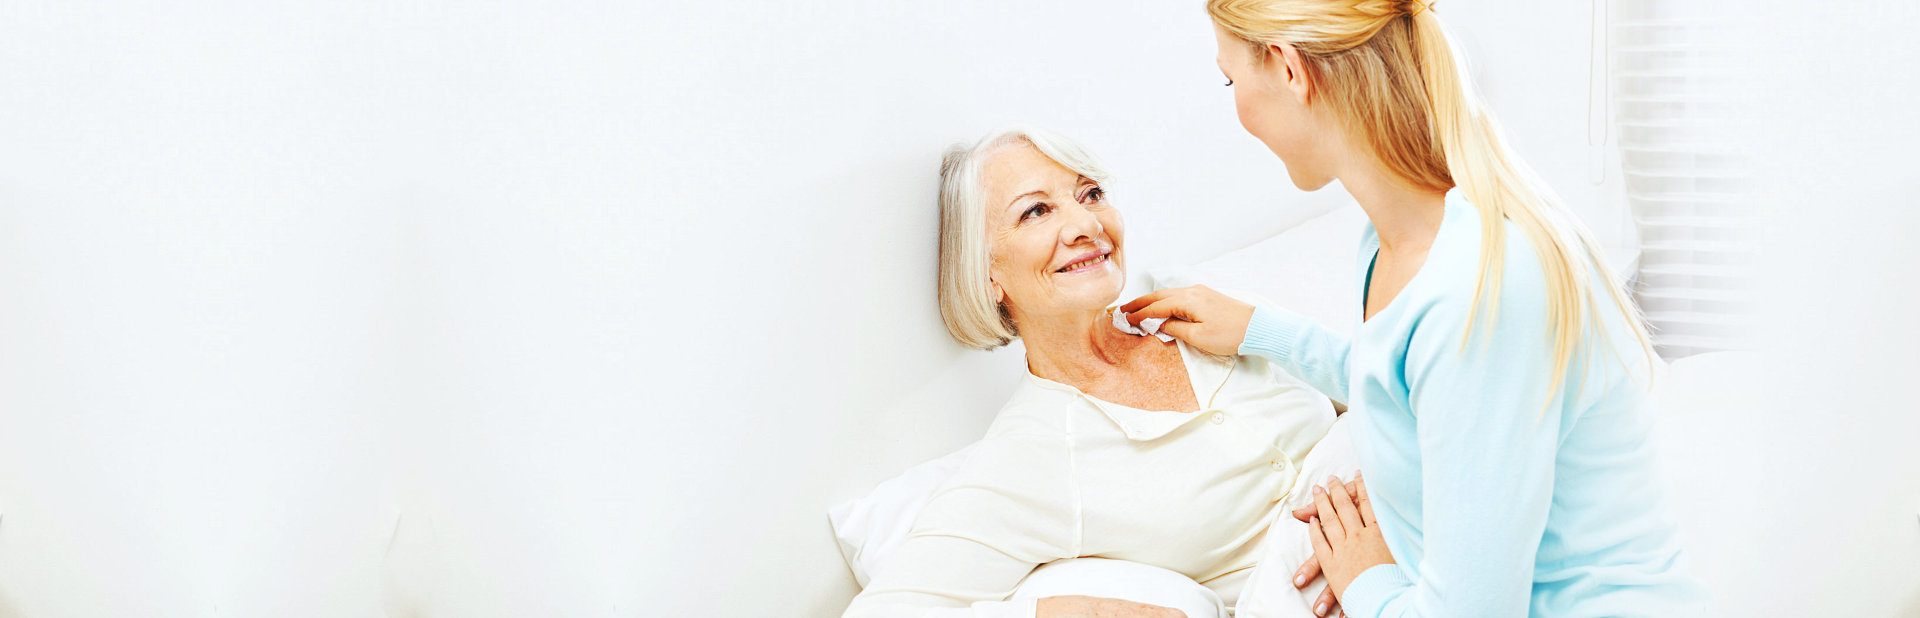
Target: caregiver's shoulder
x=1450 y=276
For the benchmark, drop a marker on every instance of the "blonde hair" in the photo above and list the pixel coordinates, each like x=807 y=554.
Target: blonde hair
x=1389 y=74
x=965 y=287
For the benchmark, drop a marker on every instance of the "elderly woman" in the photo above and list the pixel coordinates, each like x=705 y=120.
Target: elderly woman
x=1116 y=445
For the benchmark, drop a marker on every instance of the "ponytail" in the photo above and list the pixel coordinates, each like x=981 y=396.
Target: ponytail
x=1389 y=73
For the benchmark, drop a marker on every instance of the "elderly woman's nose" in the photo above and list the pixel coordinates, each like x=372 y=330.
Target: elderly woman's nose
x=1080 y=223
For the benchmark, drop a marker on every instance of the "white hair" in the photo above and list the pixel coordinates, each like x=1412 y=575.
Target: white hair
x=966 y=292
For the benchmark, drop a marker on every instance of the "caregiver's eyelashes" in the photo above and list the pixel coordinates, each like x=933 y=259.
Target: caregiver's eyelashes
x=1229 y=81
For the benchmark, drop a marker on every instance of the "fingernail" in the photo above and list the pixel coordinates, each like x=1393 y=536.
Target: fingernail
x=1331 y=479
x=1356 y=475
x=1320 y=610
x=1299 y=580
x=1317 y=490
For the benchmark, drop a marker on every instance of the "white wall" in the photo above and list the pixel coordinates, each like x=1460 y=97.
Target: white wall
x=347 y=309
x=1840 y=289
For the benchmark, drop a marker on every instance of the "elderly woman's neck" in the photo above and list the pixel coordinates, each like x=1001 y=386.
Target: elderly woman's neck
x=1074 y=347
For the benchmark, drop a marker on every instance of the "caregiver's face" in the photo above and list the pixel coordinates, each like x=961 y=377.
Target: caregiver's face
x=1271 y=95
x=1056 y=240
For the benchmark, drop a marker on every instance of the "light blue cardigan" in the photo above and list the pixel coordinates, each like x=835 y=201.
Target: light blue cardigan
x=1494 y=501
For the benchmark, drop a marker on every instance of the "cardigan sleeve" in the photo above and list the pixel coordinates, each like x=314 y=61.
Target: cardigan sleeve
x=1298 y=344
x=1009 y=509
x=1488 y=437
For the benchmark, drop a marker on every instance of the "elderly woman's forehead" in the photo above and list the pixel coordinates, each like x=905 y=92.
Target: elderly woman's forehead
x=1019 y=162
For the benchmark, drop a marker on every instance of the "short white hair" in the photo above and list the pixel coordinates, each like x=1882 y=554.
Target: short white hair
x=966 y=291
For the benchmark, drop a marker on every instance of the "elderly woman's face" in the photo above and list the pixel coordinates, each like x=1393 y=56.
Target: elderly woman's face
x=1056 y=240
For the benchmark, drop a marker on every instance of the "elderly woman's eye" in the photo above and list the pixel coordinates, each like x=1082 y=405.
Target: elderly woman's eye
x=1094 y=195
x=1035 y=211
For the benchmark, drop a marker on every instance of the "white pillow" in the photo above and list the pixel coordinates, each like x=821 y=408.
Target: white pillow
x=1310 y=269
x=873 y=526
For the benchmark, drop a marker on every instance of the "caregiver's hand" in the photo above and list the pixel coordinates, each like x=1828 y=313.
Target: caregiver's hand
x=1205 y=319
x=1305 y=514
x=1346 y=537
x=1310 y=570
x=1099 y=607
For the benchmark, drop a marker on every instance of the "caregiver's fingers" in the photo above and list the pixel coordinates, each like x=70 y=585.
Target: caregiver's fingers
x=1180 y=329
x=1146 y=299
x=1164 y=308
x=1366 y=504
x=1329 y=522
x=1308 y=571
x=1322 y=550
x=1324 y=606
x=1343 y=505
x=1307 y=512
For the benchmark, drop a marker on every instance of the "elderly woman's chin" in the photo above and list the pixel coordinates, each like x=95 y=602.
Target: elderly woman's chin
x=1092 y=287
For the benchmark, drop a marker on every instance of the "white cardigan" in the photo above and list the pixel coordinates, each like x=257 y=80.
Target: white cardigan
x=1061 y=474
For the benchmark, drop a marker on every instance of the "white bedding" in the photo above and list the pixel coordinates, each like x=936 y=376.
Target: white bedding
x=1269 y=592
x=868 y=529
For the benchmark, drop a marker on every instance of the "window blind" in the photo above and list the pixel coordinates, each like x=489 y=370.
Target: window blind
x=1686 y=180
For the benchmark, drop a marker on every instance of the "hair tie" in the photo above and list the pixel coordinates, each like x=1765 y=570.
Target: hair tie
x=1418 y=7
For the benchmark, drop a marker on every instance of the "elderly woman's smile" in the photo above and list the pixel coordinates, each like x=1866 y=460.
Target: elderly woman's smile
x=1088 y=262
x=1055 y=240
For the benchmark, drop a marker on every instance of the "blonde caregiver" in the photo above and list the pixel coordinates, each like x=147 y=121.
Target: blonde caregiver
x=1495 y=360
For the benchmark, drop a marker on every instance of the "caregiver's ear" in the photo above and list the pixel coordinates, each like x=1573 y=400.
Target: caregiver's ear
x=1291 y=69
